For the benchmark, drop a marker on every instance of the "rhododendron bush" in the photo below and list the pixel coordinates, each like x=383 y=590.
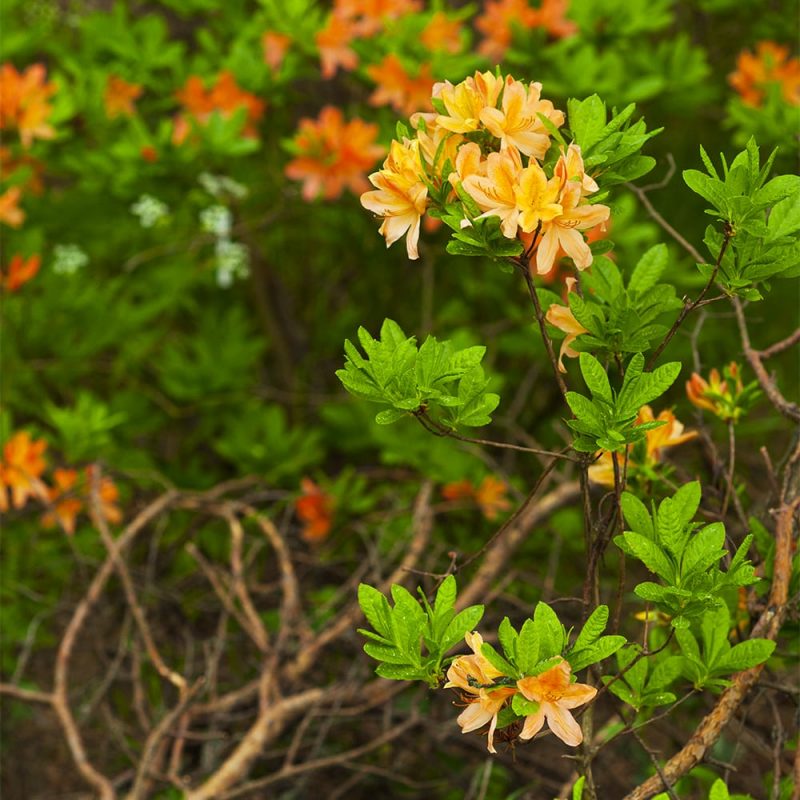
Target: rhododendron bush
x=533 y=533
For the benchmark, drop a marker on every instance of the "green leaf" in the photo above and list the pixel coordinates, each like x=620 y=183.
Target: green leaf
x=592 y=629
x=604 y=647
x=389 y=416
x=550 y=631
x=636 y=515
x=465 y=621
x=508 y=637
x=497 y=661
x=650 y=554
x=649 y=269
x=595 y=377
x=522 y=706
x=528 y=647
x=746 y=655
x=376 y=609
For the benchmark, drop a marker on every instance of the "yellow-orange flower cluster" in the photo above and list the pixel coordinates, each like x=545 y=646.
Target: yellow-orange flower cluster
x=492 y=133
x=25 y=102
x=354 y=19
x=490 y=495
x=487 y=691
x=224 y=97
x=770 y=64
x=670 y=434
x=333 y=155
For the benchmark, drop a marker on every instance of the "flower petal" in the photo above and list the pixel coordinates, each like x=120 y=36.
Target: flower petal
x=563 y=724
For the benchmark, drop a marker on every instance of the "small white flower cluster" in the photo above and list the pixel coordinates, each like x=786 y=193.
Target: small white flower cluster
x=216 y=220
x=233 y=259
x=150 y=210
x=68 y=259
x=219 y=185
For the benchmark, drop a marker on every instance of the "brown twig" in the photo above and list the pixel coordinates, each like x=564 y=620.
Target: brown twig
x=789 y=410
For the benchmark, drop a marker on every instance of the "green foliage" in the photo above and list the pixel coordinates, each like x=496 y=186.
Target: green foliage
x=622 y=319
x=684 y=554
x=411 y=640
x=410 y=380
x=645 y=681
x=762 y=219
x=610 y=147
x=607 y=420
x=708 y=662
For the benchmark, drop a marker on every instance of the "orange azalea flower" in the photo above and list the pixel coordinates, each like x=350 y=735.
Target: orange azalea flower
x=555 y=695
x=70 y=492
x=25 y=102
x=770 y=64
x=401 y=197
x=20 y=271
x=723 y=399
x=333 y=155
x=10 y=212
x=561 y=317
x=517 y=123
x=332 y=42
x=551 y=16
x=667 y=435
x=65 y=504
x=275 y=46
x=315 y=509
x=22 y=465
x=497 y=25
x=370 y=15
x=490 y=496
x=442 y=33
x=224 y=97
x=120 y=96
x=471 y=674
x=398 y=89
x=107 y=495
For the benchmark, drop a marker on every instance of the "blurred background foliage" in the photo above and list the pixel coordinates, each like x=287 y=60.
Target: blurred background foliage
x=188 y=313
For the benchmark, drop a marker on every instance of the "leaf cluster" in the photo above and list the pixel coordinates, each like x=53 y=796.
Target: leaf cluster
x=610 y=147
x=411 y=639
x=762 y=219
x=684 y=554
x=622 y=319
x=412 y=380
x=607 y=420
x=706 y=663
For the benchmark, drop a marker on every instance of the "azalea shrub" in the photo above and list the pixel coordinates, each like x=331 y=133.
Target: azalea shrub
x=399 y=398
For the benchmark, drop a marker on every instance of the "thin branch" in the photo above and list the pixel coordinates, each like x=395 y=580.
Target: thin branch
x=780 y=346
x=688 y=306
x=789 y=410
